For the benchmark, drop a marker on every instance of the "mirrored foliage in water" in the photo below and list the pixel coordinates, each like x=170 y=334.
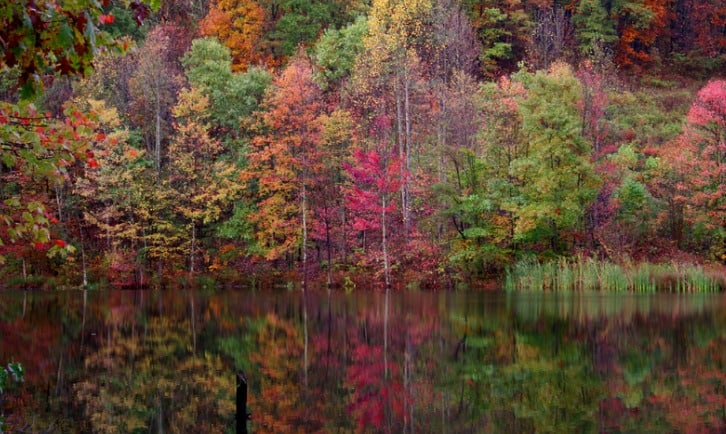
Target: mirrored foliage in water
x=123 y=361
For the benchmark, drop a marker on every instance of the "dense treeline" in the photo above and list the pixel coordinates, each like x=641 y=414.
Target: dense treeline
x=414 y=140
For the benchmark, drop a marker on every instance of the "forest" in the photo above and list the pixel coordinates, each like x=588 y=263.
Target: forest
x=412 y=143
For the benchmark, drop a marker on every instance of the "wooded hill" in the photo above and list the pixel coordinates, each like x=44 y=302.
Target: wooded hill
x=406 y=141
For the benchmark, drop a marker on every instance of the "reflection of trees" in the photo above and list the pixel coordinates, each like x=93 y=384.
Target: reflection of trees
x=633 y=374
x=39 y=334
x=428 y=363
x=670 y=376
x=389 y=373
x=282 y=404
x=152 y=379
x=697 y=401
x=535 y=378
x=376 y=390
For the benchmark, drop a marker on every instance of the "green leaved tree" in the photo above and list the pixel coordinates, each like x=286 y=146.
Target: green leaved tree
x=594 y=29
x=556 y=173
x=233 y=96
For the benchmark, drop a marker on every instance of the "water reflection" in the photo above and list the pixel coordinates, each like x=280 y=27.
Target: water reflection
x=365 y=362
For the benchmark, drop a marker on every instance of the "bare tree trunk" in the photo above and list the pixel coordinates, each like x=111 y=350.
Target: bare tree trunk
x=157 y=143
x=442 y=143
x=329 y=253
x=83 y=264
x=344 y=224
x=305 y=235
x=108 y=232
x=192 y=249
x=401 y=134
x=192 y=311
x=59 y=201
x=59 y=378
x=407 y=154
x=146 y=246
x=83 y=318
x=384 y=243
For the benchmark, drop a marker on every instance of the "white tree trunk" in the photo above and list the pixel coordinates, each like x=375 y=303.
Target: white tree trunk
x=407 y=154
x=304 y=200
x=384 y=243
x=192 y=249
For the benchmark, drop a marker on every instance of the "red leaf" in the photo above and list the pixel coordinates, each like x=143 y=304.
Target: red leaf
x=106 y=19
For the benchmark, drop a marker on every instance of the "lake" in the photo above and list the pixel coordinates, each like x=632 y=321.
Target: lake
x=446 y=362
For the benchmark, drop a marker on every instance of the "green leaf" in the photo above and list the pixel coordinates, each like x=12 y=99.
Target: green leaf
x=16 y=369
x=65 y=35
x=12 y=202
x=476 y=232
x=90 y=31
x=8 y=159
x=3 y=380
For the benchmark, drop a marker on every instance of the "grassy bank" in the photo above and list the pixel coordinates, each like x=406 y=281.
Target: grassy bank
x=581 y=274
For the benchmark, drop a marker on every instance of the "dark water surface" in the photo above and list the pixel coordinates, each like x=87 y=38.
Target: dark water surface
x=114 y=361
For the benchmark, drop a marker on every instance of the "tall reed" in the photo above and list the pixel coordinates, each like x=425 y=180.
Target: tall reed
x=587 y=274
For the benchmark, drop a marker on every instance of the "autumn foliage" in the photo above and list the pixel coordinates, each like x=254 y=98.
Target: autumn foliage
x=416 y=143
x=239 y=24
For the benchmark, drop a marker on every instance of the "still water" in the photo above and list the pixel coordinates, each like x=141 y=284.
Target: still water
x=125 y=361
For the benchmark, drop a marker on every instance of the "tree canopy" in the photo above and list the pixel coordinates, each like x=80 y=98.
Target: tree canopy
x=414 y=141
